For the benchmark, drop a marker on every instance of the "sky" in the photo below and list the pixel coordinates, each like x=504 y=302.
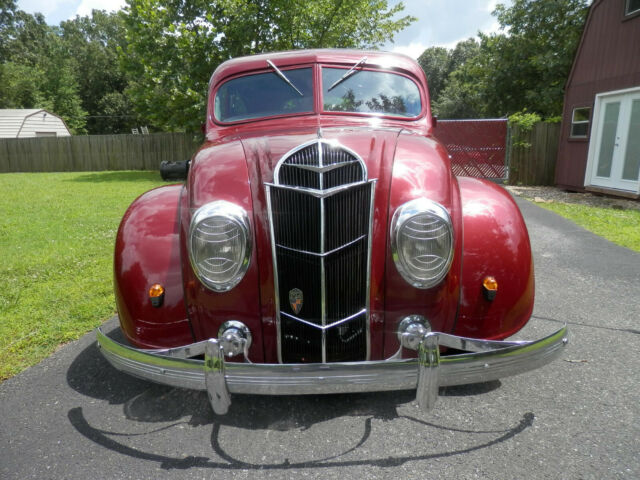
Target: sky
x=441 y=23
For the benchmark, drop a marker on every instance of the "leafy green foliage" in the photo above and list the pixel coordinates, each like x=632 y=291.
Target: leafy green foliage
x=435 y=63
x=92 y=44
x=151 y=64
x=439 y=63
x=525 y=67
x=525 y=122
x=173 y=46
x=36 y=71
x=56 y=237
x=71 y=70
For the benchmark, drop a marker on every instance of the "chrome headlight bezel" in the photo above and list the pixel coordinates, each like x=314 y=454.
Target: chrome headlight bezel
x=405 y=213
x=235 y=214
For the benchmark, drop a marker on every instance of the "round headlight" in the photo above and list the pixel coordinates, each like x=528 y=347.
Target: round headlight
x=422 y=242
x=220 y=244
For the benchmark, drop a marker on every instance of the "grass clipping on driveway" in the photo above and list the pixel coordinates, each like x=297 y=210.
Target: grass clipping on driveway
x=57 y=233
x=619 y=226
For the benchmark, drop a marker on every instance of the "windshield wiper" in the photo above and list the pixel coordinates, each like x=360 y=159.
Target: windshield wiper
x=351 y=71
x=283 y=77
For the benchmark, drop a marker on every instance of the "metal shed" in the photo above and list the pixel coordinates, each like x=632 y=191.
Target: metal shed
x=28 y=123
x=600 y=138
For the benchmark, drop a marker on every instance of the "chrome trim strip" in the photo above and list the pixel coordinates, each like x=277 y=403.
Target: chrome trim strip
x=326 y=254
x=276 y=287
x=319 y=193
x=325 y=168
x=323 y=271
x=325 y=327
x=373 y=182
x=316 y=378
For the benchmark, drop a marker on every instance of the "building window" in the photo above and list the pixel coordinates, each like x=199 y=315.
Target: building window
x=580 y=122
x=632 y=6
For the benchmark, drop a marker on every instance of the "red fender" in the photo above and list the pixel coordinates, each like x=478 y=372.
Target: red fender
x=496 y=243
x=148 y=252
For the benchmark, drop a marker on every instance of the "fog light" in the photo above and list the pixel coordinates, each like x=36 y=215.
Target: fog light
x=490 y=286
x=156 y=295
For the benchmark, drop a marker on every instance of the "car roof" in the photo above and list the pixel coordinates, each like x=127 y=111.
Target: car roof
x=387 y=60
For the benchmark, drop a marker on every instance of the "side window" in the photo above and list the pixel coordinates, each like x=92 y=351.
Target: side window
x=631 y=7
x=580 y=122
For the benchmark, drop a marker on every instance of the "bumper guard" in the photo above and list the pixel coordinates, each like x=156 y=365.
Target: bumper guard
x=487 y=360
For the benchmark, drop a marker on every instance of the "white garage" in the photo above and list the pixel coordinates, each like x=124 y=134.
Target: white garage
x=28 y=123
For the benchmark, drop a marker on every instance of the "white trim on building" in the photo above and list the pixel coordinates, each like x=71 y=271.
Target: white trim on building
x=26 y=123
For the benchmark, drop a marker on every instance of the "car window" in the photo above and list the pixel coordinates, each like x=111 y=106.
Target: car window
x=370 y=92
x=264 y=95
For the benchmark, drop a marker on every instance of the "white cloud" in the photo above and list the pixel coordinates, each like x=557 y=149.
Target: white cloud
x=85 y=7
x=443 y=23
x=415 y=49
x=54 y=11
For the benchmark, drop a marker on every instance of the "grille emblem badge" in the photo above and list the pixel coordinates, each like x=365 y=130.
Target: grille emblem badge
x=296 y=300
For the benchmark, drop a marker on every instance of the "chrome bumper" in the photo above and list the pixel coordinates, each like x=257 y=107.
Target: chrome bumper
x=487 y=360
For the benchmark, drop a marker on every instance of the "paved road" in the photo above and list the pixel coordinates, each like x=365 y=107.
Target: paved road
x=74 y=417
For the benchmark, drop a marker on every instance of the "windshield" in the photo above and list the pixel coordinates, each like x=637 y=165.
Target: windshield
x=264 y=95
x=366 y=91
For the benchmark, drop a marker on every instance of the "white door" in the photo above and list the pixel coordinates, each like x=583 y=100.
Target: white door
x=614 y=151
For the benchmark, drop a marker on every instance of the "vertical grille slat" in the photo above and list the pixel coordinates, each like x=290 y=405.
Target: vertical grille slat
x=321 y=253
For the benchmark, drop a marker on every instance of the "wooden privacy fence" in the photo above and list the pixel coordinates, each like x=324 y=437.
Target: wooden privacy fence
x=94 y=152
x=532 y=154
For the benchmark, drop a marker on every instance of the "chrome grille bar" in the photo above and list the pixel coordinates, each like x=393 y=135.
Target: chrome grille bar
x=320 y=233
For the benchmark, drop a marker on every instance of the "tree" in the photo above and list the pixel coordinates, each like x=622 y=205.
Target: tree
x=8 y=10
x=174 y=45
x=523 y=68
x=36 y=71
x=435 y=62
x=543 y=37
x=438 y=63
x=92 y=44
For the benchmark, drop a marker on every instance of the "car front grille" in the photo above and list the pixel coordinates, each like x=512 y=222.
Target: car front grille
x=320 y=206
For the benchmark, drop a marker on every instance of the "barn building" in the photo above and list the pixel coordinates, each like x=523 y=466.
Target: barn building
x=26 y=123
x=600 y=139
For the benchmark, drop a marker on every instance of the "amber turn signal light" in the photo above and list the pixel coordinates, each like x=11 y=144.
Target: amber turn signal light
x=156 y=295
x=490 y=286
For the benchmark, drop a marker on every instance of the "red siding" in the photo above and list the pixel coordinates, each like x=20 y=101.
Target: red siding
x=608 y=59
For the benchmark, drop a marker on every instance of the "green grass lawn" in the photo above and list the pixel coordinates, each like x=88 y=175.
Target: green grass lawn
x=619 y=226
x=57 y=232
x=56 y=238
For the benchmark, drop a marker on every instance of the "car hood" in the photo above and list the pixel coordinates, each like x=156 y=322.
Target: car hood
x=401 y=164
x=375 y=147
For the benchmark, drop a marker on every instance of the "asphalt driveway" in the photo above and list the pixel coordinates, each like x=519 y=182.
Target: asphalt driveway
x=75 y=417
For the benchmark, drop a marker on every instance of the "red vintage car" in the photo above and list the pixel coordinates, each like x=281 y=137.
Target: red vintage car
x=321 y=244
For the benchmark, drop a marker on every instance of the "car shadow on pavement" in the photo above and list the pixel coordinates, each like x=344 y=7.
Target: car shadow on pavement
x=92 y=376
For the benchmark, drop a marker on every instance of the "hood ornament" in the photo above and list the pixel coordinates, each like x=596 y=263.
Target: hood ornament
x=296 y=299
